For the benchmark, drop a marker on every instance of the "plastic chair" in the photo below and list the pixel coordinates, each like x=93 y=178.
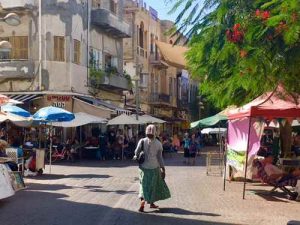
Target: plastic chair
x=281 y=184
x=12 y=153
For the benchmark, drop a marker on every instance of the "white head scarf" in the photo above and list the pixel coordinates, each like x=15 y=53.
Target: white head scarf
x=151 y=129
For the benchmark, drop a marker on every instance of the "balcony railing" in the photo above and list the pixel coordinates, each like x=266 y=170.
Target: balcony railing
x=159 y=98
x=109 y=22
x=16 y=69
x=142 y=52
x=110 y=81
x=155 y=60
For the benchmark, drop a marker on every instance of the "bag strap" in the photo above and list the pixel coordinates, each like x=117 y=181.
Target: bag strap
x=142 y=147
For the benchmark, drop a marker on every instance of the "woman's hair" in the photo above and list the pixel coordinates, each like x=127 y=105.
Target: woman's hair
x=3 y=144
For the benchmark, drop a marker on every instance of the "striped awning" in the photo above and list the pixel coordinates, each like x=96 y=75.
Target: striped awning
x=24 y=97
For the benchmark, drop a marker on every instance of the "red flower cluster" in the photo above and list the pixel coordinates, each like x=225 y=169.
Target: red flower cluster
x=264 y=15
x=235 y=35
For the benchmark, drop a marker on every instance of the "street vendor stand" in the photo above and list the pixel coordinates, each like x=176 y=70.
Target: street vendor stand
x=246 y=124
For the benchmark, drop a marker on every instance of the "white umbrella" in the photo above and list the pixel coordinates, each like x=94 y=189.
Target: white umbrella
x=123 y=119
x=81 y=119
x=213 y=130
x=144 y=119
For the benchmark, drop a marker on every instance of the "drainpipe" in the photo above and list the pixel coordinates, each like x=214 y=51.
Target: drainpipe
x=40 y=45
x=88 y=42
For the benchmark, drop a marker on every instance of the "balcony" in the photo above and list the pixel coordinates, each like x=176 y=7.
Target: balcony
x=13 y=4
x=110 y=82
x=10 y=69
x=159 y=98
x=142 y=52
x=155 y=60
x=110 y=23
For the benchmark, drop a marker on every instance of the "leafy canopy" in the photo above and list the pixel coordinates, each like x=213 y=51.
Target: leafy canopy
x=240 y=49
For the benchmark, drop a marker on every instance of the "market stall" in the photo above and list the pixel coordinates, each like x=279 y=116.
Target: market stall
x=246 y=124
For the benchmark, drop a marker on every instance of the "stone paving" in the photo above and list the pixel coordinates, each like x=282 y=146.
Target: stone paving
x=105 y=192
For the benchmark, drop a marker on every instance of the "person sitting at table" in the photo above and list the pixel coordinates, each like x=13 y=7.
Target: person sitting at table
x=276 y=173
x=92 y=141
x=12 y=165
x=15 y=142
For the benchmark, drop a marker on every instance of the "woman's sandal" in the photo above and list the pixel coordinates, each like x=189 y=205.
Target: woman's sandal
x=153 y=206
x=141 y=209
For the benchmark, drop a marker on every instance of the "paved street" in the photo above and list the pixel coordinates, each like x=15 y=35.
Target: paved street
x=95 y=193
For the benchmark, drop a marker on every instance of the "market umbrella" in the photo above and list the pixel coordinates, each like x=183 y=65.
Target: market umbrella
x=9 y=108
x=81 y=119
x=52 y=114
x=144 y=119
x=123 y=119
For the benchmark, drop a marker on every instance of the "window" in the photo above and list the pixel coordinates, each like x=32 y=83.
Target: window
x=107 y=61
x=113 y=6
x=19 y=48
x=141 y=35
x=59 y=48
x=151 y=43
x=76 y=55
x=96 y=58
x=96 y=3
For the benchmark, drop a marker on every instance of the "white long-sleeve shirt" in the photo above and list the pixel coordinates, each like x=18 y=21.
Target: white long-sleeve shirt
x=153 y=153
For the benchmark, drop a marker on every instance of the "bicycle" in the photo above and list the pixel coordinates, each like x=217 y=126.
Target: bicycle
x=56 y=154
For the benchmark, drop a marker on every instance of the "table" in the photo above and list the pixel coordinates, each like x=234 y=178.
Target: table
x=287 y=162
x=90 y=149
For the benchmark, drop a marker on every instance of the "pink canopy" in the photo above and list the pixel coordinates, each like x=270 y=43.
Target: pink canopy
x=276 y=104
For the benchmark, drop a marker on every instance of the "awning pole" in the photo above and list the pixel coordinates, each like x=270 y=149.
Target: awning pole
x=246 y=163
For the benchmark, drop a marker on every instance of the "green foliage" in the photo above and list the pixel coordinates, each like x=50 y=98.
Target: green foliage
x=236 y=70
x=96 y=73
x=128 y=77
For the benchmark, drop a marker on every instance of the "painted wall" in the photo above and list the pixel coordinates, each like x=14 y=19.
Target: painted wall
x=66 y=18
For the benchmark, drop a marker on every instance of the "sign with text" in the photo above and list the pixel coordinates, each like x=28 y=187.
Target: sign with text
x=60 y=101
x=236 y=159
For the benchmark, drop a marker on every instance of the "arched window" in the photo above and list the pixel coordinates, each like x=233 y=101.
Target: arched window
x=141 y=35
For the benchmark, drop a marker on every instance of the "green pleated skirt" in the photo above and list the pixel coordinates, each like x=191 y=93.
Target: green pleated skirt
x=152 y=187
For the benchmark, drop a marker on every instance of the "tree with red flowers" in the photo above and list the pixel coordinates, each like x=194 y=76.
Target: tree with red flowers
x=240 y=49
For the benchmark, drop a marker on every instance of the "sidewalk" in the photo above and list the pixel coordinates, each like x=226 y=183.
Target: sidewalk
x=96 y=193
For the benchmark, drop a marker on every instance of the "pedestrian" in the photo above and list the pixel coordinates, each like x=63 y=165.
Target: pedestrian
x=186 y=146
x=193 y=150
x=152 y=171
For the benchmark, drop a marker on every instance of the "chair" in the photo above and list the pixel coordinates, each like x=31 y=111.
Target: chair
x=12 y=153
x=282 y=185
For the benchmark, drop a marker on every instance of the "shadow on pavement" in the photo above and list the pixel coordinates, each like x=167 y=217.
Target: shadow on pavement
x=62 y=176
x=47 y=187
x=270 y=196
x=45 y=208
x=179 y=211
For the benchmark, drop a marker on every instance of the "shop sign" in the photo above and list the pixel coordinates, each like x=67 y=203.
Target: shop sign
x=59 y=100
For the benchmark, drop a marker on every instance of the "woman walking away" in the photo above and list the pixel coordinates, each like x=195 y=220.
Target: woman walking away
x=152 y=171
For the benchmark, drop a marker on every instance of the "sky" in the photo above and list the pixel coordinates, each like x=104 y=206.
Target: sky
x=162 y=8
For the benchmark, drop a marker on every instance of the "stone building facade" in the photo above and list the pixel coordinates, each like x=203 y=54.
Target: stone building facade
x=58 y=43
